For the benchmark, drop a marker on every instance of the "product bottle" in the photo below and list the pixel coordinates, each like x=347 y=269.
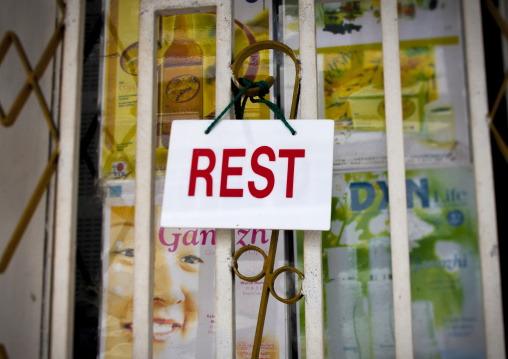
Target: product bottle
x=181 y=90
x=439 y=114
x=424 y=339
x=344 y=307
x=380 y=295
x=440 y=121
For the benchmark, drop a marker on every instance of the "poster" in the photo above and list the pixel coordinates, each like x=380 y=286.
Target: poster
x=351 y=85
x=185 y=76
x=184 y=291
x=444 y=264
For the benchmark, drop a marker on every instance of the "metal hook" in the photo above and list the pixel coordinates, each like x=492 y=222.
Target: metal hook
x=267 y=45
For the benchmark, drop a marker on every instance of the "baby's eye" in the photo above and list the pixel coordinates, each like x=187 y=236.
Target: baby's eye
x=128 y=252
x=191 y=259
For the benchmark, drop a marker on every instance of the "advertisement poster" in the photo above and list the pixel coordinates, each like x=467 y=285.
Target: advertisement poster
x=351 y=85
x=184 y=291
x=444 y=263
x=185 y=75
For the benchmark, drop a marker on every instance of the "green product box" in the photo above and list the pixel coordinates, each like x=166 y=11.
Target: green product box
x=447 y=311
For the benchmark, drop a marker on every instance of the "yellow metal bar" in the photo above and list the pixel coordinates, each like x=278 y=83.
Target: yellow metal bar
x=498 y=18
x=268 y=267
x=28 y=212
x=10 y=38
x=497 y=136
x=3 y=353
x=500 y=142
x=269 y=284
x=499 y=97
x=47 y=113
x=268 y=45
x=50 y=50
x=31 y=83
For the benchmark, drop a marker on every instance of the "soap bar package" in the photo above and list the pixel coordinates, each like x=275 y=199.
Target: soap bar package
x=367 y=108
x=444 y=262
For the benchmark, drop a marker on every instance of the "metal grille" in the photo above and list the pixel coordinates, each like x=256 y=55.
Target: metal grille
x=62 y=303
x=11 y=40
x=225 y=330
x=31 y=84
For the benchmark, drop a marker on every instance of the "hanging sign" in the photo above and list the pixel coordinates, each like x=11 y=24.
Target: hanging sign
x=249 y=174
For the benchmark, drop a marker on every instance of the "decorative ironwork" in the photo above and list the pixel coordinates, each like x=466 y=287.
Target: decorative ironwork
x=267 y=272
x=7 y=120
x=269 y=284
x=503 y=27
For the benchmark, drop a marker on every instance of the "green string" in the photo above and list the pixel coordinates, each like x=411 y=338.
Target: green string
x=237 y=97
x=240 y=105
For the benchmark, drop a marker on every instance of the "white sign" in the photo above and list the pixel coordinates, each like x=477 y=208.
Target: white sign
x=249 y=174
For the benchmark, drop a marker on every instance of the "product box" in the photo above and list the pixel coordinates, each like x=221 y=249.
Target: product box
x=444 y=262
x=184 y=291
x=351 y=83
x=368 y=108
x=185 y=75
x=354 y=87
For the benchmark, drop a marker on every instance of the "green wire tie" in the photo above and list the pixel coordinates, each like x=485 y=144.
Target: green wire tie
x=240 y=105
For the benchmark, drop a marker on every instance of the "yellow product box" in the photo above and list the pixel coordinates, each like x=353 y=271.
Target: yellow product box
x=353 y=85
x=185 y=76
x=367 y=108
